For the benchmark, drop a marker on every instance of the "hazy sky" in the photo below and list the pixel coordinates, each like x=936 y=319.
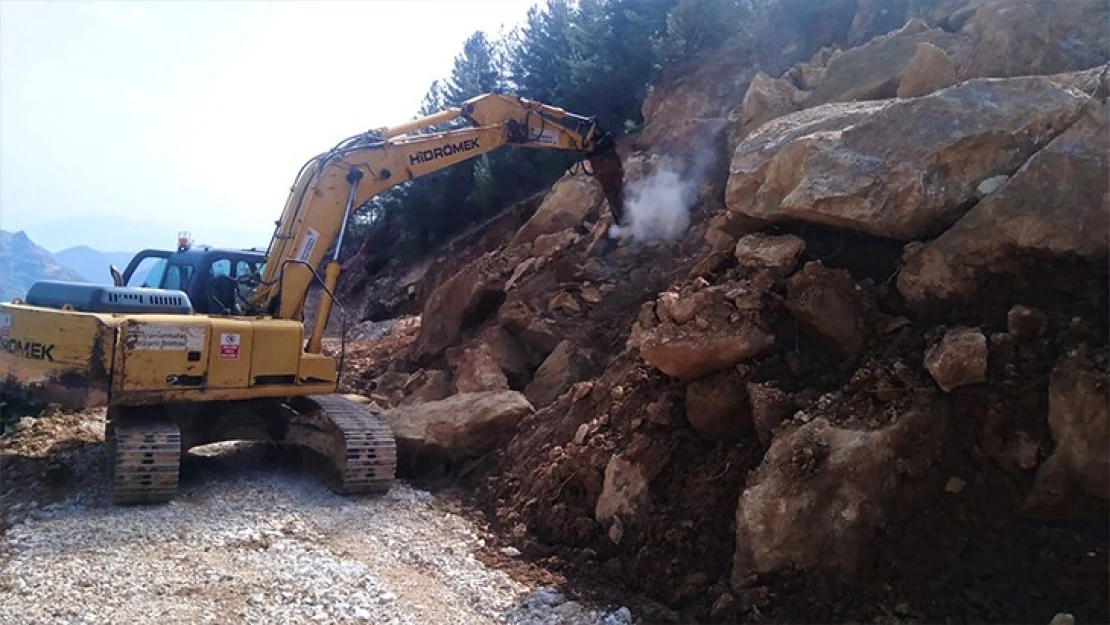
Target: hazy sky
x=197 y=115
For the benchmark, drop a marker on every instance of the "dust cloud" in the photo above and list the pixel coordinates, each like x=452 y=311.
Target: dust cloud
x=657 y=207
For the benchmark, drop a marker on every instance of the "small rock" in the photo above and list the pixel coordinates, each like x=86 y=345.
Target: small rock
x=772 y=252
x=1025 y=323
x=959 y=359
x=616 y=532
x=520 y=270
x=990 y=185
x=1062 y=618
x=591 y=295
x=665 y=306
x=724 y=608
x=955 y=485
x=564 y=301
x=511 y=552
x=580 y=391
x=581 y=434
x=623 y=616
x=769 y=406
x=624 y=492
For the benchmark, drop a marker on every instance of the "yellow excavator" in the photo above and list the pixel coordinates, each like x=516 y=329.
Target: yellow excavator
x=210 y=345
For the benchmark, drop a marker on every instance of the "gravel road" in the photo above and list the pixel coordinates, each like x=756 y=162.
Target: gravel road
x=258 y=542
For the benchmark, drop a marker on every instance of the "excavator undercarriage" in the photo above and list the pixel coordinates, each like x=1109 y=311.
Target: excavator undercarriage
x=145 y=444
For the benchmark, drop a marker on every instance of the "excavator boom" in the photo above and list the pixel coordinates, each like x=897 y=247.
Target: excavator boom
x=334 y=183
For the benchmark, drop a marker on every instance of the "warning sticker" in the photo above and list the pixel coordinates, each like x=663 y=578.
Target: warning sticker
x=229 y=346
x=549 y=137
x=5 y=326
x=151 y=337
x=308 y=243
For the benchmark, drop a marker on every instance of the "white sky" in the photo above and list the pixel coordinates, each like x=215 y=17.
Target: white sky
x=197 y=115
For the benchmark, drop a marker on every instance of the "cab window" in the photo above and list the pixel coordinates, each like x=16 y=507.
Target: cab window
x=178 y=276
x=149 y=273
x=220 y=267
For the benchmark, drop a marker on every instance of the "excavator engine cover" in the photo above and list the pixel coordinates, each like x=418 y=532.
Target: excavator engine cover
x=99 y=298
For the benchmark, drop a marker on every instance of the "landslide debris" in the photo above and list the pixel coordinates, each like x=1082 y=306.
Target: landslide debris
x=865 y=383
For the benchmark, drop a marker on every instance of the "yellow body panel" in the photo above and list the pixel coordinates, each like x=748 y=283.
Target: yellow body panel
x=161 y=351
x=229 y=353
x=316 y=369
x=277 y=350
x=63 y=356
x=88 y=359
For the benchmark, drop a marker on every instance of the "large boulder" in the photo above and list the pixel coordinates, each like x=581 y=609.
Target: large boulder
x=426 y=386
x=875 y=70
x=822 y=492
x=699 y=332
x=462 y=426
x=1027 y=37
x=565 y=365
x=717 y=407
x=476 y=370
x=875 y=17
x=510 y=354
x=538 y=334
x=1056 y=207
x=929 y=70
x=766 y=99
x=463 y=300
x=828 y=307
x=897 y=168
x=1078 y=400
x=571 y=200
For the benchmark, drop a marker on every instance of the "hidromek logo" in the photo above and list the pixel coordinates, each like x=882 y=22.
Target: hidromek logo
x=28 y=349
x=447 y=150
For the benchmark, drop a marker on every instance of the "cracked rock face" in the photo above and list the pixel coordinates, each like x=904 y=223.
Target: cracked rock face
x=821 y=492
x=902 y=169
x=1057 y=206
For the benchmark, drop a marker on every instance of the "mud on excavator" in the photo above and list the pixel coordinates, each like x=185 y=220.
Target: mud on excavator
x=210 y=345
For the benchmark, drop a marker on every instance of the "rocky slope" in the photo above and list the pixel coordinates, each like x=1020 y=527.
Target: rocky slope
x=865 y=378
x=22 y=263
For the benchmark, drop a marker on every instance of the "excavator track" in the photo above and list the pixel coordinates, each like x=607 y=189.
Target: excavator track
x=368 y=461
x=144 y=457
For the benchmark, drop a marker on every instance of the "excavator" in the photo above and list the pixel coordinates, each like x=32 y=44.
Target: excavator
x=211 y=345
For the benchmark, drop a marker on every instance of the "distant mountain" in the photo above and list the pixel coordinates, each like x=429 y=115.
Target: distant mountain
x=22 y=263
x=93 y=264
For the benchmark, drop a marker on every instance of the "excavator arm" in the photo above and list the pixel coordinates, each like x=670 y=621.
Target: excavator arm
x=332 y=184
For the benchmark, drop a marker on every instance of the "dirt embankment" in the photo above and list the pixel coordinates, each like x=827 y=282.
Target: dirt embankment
x=852 y=364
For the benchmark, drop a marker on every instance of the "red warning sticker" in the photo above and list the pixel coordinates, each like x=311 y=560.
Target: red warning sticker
x=229 y=346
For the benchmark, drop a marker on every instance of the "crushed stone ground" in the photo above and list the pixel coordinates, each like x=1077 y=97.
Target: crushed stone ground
x=250 y=539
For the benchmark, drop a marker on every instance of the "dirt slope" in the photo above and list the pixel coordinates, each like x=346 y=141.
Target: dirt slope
x=862 y=378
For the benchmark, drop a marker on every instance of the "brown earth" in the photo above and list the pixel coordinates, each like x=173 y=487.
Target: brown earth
x=777 y=422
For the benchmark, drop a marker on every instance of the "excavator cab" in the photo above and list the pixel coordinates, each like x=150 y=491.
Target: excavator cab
x=216 y=281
